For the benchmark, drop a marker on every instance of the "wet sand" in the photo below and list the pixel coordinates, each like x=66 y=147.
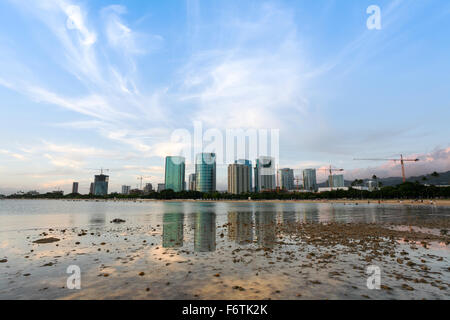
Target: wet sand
x=240 y=255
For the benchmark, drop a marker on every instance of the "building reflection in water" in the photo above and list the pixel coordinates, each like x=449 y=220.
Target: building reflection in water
x=240 y=227
x=289 y=219
x=173 y=230
x=97 y=213
x=327 y=213
x=265 y=225
x=205 y=232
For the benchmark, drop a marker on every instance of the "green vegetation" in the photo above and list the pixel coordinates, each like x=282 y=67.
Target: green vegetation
x=435 y=174
x=407 y=190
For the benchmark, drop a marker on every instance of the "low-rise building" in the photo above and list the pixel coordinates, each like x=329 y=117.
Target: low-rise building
x=325 y=189
x=148 y=188
x=161 y=187
x=126 y=190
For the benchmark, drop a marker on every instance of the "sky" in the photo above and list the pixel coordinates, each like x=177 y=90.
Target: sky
x=99 y=84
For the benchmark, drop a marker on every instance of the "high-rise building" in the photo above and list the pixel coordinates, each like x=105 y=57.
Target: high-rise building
x=249 y=164
x=238 y=178
x=148 y=188
x=161 y=187
x=286 y=178
x=75 y=187
x=192 y=182
x=101 y=185
x=265 y=174
x=310 y=180
x=91 y=188
x=126 y=190
x=336 y=181
x=174 y=177
x=205 y=172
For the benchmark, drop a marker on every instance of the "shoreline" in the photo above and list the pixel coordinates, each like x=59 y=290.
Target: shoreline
x=439 y=202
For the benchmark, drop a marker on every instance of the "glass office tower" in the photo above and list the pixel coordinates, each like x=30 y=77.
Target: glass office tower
x=336 y=181
x=205 y=172
x=309 y=180
x=101 y=185
x=265 y=174
x=174 y=179
x=286 y=178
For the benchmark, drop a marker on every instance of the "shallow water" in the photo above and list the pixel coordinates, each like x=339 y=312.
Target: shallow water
x=204 y=250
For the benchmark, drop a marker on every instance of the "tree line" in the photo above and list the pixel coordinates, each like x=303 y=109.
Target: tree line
x=407 y=190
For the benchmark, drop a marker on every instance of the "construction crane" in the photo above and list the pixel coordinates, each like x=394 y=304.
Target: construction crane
x=402 y=162
x=101 y=170
x=298 y=178
x=142 y=178
x=296 y=182
x=330 y=170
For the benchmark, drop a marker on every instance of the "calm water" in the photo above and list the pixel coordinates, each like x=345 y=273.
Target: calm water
x=188 y=250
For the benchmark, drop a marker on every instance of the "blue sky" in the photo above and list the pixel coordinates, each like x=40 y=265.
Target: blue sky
x=90 y=84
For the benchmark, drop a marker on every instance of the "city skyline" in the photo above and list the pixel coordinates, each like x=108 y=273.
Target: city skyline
x=284 y=178
x=106 y=85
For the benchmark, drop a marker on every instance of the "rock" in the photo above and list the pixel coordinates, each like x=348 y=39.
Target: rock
x=117 y=221
x=410 y=264
x=238 y=288
x=46 y=240
x=406 y=287
x=48 y=264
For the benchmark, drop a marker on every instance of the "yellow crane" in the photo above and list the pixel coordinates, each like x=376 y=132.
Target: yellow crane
x=401 y=160
x=330 y=170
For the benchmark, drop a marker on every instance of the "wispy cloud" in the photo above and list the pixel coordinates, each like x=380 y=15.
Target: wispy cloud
x=247 y=83
x=12 y=154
